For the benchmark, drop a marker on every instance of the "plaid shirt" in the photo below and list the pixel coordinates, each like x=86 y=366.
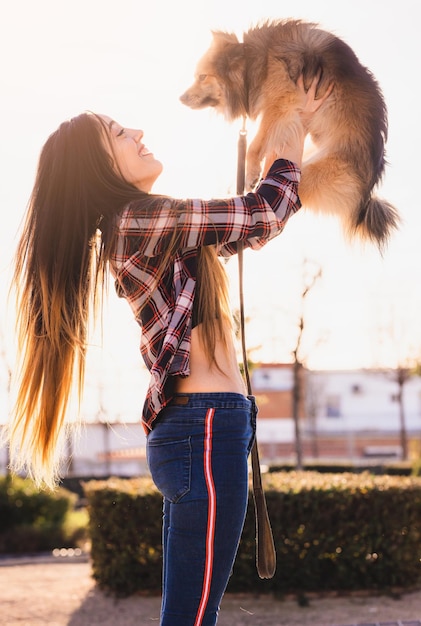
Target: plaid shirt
x=164 y=309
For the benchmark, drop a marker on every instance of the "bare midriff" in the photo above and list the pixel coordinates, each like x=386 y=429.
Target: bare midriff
x=206 y=377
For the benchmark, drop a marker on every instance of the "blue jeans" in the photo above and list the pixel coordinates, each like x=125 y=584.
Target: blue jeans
x=197 y=455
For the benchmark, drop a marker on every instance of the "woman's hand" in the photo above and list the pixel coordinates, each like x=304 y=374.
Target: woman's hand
x=293 y=148
x=308 y=104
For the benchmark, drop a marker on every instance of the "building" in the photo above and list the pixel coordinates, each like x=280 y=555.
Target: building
x=351 y=415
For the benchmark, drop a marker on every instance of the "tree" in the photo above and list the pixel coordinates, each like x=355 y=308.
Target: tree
x=408 y=365
x=314 y=395
x=246 y=350
x=311 y=274
x=401 y=375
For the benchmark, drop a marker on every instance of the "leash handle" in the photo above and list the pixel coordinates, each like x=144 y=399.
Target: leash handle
x=265 y=547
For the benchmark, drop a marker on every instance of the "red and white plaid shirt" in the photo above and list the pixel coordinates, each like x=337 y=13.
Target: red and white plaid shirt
x=164 y=309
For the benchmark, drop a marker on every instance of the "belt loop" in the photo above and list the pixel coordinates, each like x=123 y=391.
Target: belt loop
x=254 y=408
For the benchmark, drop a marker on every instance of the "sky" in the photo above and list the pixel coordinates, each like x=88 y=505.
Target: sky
x=132 y=60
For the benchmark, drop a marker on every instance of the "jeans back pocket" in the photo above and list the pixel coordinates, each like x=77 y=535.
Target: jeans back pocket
x=170 y=466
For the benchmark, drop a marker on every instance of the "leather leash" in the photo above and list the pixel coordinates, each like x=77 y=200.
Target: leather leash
x=265 y=547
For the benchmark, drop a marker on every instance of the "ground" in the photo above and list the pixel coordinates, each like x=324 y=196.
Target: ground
x=62 y=593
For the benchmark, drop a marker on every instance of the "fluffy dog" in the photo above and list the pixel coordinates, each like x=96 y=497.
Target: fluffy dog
x=257 y=78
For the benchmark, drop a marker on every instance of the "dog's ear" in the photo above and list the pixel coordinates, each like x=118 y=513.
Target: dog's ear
x=231 y=63
x=221 y=38
x=229 y=66
x=228 y=55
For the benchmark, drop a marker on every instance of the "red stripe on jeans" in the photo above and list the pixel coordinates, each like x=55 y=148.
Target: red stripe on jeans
x=210 y=531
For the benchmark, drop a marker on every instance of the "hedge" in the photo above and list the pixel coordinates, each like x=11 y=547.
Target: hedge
x=125 y=532
x=402 y=468
x=332 y=532
x=31 y=520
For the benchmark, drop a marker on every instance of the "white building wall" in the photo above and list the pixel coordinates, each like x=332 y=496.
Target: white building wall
x=100 y=449
x=362 y=400
x=90 y=444
x=344 y=402
x=275 y=430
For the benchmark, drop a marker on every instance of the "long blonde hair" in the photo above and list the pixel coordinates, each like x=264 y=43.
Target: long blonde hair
x=61 y=260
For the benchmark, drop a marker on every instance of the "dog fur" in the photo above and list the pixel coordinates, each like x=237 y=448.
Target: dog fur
x=257 y=78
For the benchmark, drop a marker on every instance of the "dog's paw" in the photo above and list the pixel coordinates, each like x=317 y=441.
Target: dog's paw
x=251 y=184
x=252 y=178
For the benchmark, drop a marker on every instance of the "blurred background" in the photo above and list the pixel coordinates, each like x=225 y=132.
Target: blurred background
x=132 y=60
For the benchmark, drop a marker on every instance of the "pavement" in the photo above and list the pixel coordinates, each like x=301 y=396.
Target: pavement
x=60 y=591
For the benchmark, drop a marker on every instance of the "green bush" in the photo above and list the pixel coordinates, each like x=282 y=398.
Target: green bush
x=331 y=532
x=397 y=468
x=31 y=520
x=125 y=532
x=338 y=532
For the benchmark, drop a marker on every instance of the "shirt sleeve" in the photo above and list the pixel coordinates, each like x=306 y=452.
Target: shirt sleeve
x=254 y=218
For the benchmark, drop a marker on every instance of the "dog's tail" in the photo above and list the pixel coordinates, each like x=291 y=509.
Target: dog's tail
x=376 y=221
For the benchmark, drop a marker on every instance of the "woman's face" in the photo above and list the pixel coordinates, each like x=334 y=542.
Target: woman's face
x=135 y=162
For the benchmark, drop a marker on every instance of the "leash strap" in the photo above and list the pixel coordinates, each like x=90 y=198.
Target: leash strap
x=265 y=547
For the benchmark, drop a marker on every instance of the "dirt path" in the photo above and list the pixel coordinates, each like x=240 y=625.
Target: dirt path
x=50 y=593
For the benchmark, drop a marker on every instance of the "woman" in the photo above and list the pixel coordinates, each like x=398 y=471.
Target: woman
x=91 y=207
